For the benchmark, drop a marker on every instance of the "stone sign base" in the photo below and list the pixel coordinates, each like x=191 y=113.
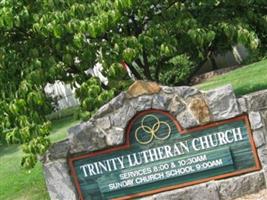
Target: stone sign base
x=191 y=108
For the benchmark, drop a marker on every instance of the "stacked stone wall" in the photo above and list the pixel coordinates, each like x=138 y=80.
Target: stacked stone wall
x=191 y=107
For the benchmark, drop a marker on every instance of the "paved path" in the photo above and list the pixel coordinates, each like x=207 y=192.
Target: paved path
x=261 y=195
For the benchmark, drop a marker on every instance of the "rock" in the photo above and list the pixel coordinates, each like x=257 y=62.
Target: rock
x=261 y=195
x=58 y=180
x=160 y=101
x=262 y=153
x=242 y=105
x=57 y=150
x=186 y=120
x=103 y=123
x=86 y=138
x=141 y=103
x=167 y=89
x=222 y=103
x=186 y=91
x=257 y=100
x=78 y=128
x=118 y=101
x=255 y=120
x=241 y=185
x=200 y=110
x=264 y=118
x=259 y=138
x=265 y=174
x=139 y=88
x=176 y=105
x=121 y=117
x=115 y=136
x=105 y=109
x=206 y=191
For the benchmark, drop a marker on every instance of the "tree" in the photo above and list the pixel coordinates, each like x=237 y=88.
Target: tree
x=165 y=41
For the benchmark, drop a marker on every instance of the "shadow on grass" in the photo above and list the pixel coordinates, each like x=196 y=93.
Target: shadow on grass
x=8 y=149
x=239 y=91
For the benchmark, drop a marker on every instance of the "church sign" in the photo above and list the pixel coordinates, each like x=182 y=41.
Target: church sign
x=158 y=155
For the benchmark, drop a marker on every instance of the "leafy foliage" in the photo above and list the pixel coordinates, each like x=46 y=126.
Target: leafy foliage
x=165 y=41
x=92 y=96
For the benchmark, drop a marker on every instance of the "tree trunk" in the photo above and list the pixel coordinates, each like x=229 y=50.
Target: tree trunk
x=146 y=66
x=134 y=71
x=197 y=68
x=213 y=61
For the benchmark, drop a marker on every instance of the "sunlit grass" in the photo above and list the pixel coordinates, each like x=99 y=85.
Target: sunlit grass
x=17 y=183
x=244 y=80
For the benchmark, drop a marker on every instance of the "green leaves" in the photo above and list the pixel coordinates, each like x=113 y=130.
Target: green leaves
x=35 y=99
x=51 y=40
x=78 y=40
x=129 y=54
x=67 y=58
x=104 y=97
x=123 y=4
x=6 y=17
x=248 y=38
x=131 y=48
x=58 y=31
x=178 y=70
x=166 y=50
x=229 y=30
x=146 y=41
x=92 y=96
x=36 y=146
x=13 y=136
x=116 y=71
x=201 y=37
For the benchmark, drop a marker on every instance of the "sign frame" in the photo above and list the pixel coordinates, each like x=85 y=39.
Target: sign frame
x=182 y=131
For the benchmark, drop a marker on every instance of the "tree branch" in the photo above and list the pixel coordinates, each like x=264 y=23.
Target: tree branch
x=161 y=62
x=197 y=68
x=73 y=69
x=134 y=71
x=138 y=29
x=147 y=19
x=157 y=71
x=146 y=65
x=139 y=63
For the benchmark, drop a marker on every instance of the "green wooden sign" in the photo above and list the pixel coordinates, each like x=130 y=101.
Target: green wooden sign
x=159 y=155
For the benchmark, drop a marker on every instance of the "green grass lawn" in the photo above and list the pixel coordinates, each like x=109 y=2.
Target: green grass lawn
x=17 y=183
x=244 y=80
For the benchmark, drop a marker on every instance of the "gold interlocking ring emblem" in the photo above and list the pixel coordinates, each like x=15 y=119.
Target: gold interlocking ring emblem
x=145 y=133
